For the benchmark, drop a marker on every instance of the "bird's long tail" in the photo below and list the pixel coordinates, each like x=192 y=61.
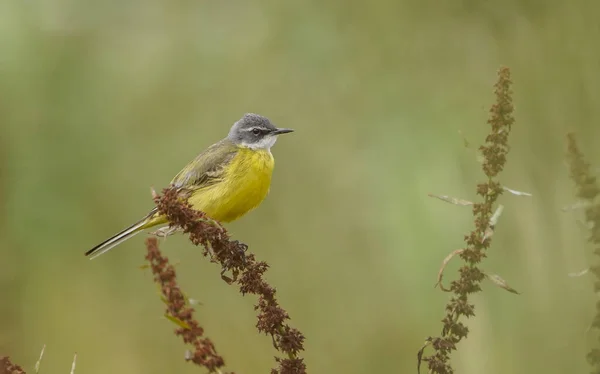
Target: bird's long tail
x=122 y=236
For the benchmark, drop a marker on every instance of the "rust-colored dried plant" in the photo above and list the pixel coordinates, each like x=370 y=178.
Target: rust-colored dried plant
x=238 y=266
x=588 y=191
x=7 y=367
x=478 y=241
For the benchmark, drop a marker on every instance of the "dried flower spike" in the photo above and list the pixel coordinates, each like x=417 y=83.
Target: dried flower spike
x=179 y=311
x=240 y=267
x=494 y=153
x=588 y=191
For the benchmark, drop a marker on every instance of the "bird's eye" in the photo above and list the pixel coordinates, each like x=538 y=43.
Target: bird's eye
x=256 y=131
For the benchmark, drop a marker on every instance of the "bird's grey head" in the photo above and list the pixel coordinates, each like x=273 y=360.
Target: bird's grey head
x=255 y=131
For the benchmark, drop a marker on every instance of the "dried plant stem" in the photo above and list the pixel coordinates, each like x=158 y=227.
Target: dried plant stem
x=39 y=361
x=179 y=311
x=494 y=153
x=240 y=267
x=73 y=364
x=588 y=191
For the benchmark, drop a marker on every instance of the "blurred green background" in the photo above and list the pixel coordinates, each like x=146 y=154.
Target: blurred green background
x=99 y=101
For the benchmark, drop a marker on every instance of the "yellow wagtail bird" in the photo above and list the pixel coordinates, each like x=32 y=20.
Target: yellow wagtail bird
x=226 y=181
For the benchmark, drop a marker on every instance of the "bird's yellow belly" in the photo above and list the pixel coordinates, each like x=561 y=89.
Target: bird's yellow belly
x=244 y=186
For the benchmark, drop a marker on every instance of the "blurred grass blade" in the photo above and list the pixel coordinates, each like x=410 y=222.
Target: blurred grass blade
x=39 y=361
x=192 y=301
x=576 y=206
x=515 y=192
x=489 y=231
x=579 y=273
x=451 y=200
x=73 y=364
x=443 y=267
x=498 y=281
x=496 y=215
x=466 y=141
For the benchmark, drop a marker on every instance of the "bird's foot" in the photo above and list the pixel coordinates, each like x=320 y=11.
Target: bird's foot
x=239 y=245
x=241 y=250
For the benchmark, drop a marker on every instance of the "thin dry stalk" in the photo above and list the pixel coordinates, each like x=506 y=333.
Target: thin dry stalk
x=73 y=364
x=588 y=191
x=39 y=361
x=240 y=267
x=478 y=241
x=179 y=311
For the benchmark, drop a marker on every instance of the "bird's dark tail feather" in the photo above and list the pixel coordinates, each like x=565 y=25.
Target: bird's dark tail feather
x=119 y=238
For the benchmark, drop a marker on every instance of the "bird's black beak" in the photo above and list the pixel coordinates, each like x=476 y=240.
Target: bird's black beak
x=281 y=131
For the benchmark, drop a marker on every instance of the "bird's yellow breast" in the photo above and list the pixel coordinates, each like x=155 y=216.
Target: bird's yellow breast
x=243 y=187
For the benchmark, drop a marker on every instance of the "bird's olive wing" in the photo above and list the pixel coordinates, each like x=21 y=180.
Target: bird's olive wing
x=207 y=168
